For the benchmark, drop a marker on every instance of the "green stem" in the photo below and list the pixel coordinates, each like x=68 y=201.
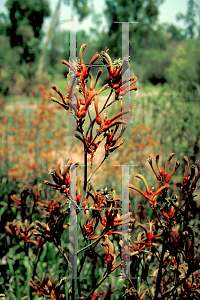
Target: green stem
x=36 y=261
x=74 y=280
x=106 y=274
x=90 y=245
x=170 y=291
x=84 y=185
x=96 y=169
x=93 y=121
x=74 y=270
x=85 y=170
x=106 y=101
x=159 y=277
x=61 y=250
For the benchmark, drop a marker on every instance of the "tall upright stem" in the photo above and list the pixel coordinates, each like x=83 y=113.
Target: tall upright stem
x=159 y=277
x=85 y=169
x=84 y=184
x=74 y=281
x=106 y=274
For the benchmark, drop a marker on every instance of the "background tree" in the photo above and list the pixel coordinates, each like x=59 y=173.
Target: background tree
x=24 y=30
x=48 y=35
x=189 y=19
x=174 y=33
x=197 y=9
x=82 y=10
x=145 y=12
x=184 y=71
x=4 y=23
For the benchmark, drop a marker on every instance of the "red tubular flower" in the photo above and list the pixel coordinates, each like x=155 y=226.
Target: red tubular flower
x=150 y=237
x=172 y=212
x=52 y=230
x=83 y=74
x=116 y=73
x=163 y=174
x=152 y=166
x=89 y=225
x=133 y=88
x=89 y=228
x=109 y=251
x=48 y=288
x=176 y=241
x=70 y=67
x=95 y=296
x=95 y=57
x=52 y=207
x=98 y=118
x=105 y=58
x=123 y=88
x=150 y=195
x=186 y=178
x=111 y=142
x=126 y=111
x=81 y=67
x=17 y=201
x=193 y=186
x=62 y=180
x=112 y=122
x=23 y=230
x=21 y=202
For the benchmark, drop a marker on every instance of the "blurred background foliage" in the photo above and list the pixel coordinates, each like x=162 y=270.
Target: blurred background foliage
x=164 y=57
x=172 y=51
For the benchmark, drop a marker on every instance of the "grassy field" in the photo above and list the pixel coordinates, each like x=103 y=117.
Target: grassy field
x=173 y=123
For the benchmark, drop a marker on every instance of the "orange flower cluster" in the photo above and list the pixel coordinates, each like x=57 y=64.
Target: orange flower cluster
x=47 y=288
x=85 y=97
